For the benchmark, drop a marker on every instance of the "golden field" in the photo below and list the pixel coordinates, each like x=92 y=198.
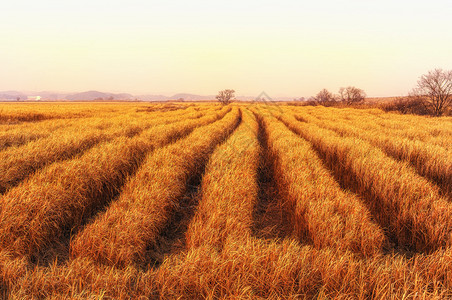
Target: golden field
x=244 y=201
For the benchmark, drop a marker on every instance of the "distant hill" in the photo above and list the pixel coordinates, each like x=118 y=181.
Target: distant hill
x=105 y=96
x=190 y=97
x=184 y=96
x=95 y=95
x=13 y=95
x=51 y=95
x=152 y=97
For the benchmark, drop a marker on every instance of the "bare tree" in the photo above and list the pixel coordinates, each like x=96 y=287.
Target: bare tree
x=324 y=97
x=434 y=89
x=225 y=96
x=351 y=95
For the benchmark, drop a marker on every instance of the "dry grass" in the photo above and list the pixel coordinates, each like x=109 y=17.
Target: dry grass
x=229 y=191
x=183 y=201
x=123 y=233
x=409 y=208
x=252 y=269
x=431 y=130
x=76 y=137
x=431 y=160
x=22 y=134
x=57 y=201
x=321 y=213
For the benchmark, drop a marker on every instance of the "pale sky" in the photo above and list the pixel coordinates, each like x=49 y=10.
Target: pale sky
x=285 y=48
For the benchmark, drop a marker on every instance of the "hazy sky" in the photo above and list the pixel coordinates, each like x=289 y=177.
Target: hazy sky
x=285 y=48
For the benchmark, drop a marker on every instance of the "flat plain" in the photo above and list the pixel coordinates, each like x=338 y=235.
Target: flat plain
x=247 y=200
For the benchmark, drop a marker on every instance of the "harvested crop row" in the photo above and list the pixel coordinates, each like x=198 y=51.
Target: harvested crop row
x=173 y=236
x=13 y=113
x=168 y=133
x=122 y=234
x=175 y=109
x=10 y=272
x=229 y=190
x=161 y=118
x=253 y=269
x=57 y=200
x=262 y=270
x=8 y=132
x=321 y=213
x=436 y=125
x=144 y=121
x=438 y=133
x=411 y=127
x=409 y=207
x=431 y=161
x=416 y=130
x=20 y=135
x=16 y=163
x=11 y=118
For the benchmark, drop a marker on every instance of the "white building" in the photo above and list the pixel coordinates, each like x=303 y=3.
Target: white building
x=34 y=98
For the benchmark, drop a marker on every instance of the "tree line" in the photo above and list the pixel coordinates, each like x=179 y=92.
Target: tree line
x=432 y=95
x=346 y=95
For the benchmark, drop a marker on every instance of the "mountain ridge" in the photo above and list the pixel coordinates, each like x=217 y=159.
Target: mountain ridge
x=94 y=95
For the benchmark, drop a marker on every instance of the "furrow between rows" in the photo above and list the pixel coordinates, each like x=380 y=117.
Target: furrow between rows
x=122 y=235
x=431 y=161
x=22 y=134
x=406 y=205
x=17 y=163
x=320 y=213
x=45 y=211
x=229 y=191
